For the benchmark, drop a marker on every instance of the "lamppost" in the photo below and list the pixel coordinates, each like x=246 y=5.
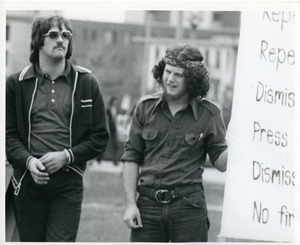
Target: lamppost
x=148 y=28
x=195 y=19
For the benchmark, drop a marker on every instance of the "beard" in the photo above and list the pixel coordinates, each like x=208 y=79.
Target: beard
x=174 y=97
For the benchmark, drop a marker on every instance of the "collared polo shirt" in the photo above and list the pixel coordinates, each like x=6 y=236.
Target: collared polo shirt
x=50 y=115
x=171 y=150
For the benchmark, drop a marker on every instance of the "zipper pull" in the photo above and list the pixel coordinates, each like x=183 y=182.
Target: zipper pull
x=17 y=189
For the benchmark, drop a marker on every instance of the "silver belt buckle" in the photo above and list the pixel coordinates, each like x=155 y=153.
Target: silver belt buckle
x=161 y=197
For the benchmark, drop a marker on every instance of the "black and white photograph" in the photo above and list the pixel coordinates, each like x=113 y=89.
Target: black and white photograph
x=163 y=121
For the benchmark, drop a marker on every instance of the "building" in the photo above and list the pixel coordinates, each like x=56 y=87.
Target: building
x=215 y=33
x=18 y=24
x=121 y=55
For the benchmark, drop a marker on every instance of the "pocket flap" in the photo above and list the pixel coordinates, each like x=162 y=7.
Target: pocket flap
x=149 y=134
x=191 y=139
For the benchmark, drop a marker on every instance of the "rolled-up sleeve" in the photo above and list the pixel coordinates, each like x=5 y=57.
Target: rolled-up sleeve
x=135 y=145
x=215 y=140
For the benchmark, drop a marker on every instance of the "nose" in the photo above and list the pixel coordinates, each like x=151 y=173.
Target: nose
x=60 y=38
x=171 y=77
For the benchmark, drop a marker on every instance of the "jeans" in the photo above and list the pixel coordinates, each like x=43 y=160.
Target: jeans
x=49 y=213
x=182 y=220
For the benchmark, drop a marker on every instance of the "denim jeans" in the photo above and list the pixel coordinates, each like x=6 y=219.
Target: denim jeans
x=182 y=220
x=49 y=213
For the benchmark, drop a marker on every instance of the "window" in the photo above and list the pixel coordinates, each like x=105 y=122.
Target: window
x=110 y=37
x=228 y=59
x=157 y=52
x=218 y=59
x=7 y=32
x=217 y=16
x=107 y=37
x=94 y=36
x=161 y=16
x=6 y=58
x=115 y=37
x=207 y=57
x=127 y=39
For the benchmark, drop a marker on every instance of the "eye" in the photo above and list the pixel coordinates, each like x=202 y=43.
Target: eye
x=67 y=35
x=178 y=74
x=53 y=34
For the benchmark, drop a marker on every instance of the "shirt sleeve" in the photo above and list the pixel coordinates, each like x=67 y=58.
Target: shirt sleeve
x=135 y=145
x=215 y=140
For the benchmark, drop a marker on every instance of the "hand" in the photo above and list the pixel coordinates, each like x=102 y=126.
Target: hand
x=54 y=161
x=37 y=170
x=132 y=217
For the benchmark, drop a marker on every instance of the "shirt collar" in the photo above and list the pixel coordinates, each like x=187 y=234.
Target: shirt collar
x=35 y=71
x=159 y=101
x=193 y=103
x=28 y=73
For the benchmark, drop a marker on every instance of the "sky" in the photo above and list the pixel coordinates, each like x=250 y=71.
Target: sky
x=117 y=16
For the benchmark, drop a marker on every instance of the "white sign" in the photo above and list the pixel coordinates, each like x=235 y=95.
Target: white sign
x=259 y=198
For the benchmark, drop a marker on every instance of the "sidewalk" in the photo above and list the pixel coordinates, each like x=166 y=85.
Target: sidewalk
x=210 y=174
x=214 y=176
x=106 y=166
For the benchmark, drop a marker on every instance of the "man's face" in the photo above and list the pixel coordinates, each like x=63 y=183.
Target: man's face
x=55 y=48
x=173 y=82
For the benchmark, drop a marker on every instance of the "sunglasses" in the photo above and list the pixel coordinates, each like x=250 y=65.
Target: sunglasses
x=66 y=35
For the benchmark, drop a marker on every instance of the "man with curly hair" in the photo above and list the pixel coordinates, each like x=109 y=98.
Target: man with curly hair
x=172 y=133
x=55 y=122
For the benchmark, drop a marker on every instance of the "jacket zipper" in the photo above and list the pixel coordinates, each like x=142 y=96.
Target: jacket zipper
x=74 y=168
x=72 y=111
x=17 y=186
x=29 y=112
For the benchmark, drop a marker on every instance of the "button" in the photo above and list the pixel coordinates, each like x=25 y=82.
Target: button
x=53 y=82
x=52 y=91
x=53 y=100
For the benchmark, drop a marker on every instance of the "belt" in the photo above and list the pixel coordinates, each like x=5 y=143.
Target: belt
x=167 y=195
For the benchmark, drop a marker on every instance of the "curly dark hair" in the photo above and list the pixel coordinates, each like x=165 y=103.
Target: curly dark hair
x=41 y=26
x=189 y=58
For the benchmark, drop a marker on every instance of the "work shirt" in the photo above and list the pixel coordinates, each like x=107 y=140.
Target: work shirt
x=171 y=150
x=50 y=115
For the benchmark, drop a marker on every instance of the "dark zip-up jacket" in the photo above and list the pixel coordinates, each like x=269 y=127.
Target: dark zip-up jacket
x=88 y=127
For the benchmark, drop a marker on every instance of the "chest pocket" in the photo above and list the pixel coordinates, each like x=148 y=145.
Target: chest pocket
x=150 y=137
x=192 y=139
x=193 y=145
x=149 y=134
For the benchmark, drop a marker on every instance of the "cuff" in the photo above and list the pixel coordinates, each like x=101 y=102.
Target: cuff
x=72 y=159
x=28 y=160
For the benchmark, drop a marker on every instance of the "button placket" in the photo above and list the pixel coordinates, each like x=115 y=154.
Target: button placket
x=52 y=93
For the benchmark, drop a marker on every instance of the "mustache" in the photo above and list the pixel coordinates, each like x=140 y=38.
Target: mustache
x=170 y=82
x=59 y=45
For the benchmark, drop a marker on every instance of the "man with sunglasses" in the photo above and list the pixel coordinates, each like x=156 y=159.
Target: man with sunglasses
x=171 y=134
x=55 y=122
